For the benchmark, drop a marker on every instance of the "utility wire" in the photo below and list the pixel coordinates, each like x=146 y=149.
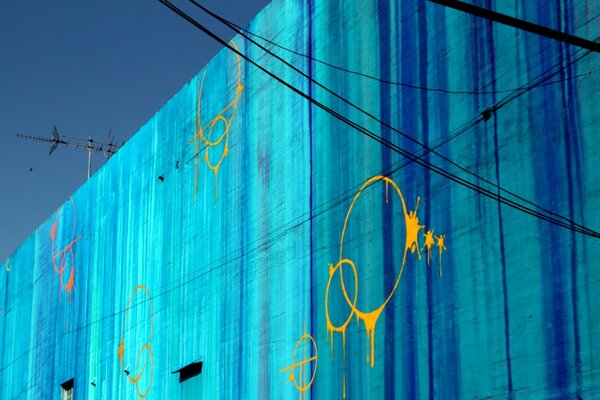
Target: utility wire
x=387 y=143
x=395 y=83
x=520 y=24
x=540 y=82
x=424 y=163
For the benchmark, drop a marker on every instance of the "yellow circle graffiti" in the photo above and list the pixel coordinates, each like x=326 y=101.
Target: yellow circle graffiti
x=204 y=132
x=338 y=267
x=301 y=381
x=369 y=317
x=139 y=371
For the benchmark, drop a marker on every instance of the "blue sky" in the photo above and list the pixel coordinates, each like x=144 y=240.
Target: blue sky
x=87 y=67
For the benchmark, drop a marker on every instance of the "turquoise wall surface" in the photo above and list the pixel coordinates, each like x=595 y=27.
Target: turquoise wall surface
x=295 y=257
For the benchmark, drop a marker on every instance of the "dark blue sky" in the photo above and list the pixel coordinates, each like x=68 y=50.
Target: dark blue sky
x=87 y=67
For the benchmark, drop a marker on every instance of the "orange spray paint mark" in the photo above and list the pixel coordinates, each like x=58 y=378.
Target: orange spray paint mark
x=204 y=132
x=135 y=376
x=300 y=379
x=66 y=256
x=370 y=318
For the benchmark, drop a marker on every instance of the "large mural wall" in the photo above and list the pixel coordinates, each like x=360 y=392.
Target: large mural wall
x=246 y=228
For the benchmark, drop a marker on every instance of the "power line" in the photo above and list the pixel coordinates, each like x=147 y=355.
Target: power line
x=520 y=24
x=391 y=82
x=571 y=224
x=484 y=116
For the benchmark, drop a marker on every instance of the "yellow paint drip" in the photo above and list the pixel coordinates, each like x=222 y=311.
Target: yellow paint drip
x=370 y=318
x=442 y=247
x=428 y=244
x=203 y=134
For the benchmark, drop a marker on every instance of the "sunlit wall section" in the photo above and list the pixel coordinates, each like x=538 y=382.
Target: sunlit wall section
x=344 y=239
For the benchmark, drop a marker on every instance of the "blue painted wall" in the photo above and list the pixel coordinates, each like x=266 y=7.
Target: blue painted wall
x=248 y=229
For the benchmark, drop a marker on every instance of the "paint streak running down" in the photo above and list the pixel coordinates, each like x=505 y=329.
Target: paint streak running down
x=370 y=318
x=61 y=259
x=135 y=376
x=429 y=242
x=301 y=381
x=203 y=134
x=440 y=245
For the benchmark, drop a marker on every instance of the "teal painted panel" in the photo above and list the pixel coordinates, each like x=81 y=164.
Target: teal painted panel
x=247 y=228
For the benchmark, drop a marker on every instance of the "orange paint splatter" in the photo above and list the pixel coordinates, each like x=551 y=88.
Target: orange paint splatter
x=137 y=374
x=66 y=256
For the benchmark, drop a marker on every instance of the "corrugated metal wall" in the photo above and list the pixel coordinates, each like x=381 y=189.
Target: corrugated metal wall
x=297 y=258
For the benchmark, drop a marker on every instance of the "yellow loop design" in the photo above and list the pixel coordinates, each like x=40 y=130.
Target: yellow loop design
x=202 y=138
x=145 y=348
x=370 y=317
x=300 y=379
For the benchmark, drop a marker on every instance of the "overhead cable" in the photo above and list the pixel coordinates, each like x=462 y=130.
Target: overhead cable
x=428 y=149
x=391 y=82
x=440 y=171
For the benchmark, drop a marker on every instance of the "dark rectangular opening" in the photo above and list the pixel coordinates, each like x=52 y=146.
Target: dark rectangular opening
x=189 y=371
x=67 y=385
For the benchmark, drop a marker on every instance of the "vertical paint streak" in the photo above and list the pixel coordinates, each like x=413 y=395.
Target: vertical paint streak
x=489 y=32
x=557 y=368
x=572 y=161
x=265 y=294
x=244 y=238
x=422 y=47
x=385 y=65
x=311 y=187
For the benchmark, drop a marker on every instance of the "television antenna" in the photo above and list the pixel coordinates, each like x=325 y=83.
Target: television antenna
x=88 y=144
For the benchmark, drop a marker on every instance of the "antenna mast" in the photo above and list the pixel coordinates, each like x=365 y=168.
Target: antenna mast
x=88 y=144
